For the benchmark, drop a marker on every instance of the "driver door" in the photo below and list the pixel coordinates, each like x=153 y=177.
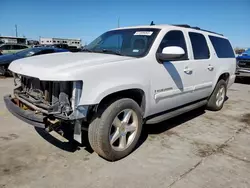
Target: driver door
x=172 y=81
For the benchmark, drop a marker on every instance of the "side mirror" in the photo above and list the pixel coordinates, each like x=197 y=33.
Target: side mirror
x=170 y=53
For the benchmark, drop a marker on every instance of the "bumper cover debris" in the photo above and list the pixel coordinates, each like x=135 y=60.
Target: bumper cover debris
x=29 y=117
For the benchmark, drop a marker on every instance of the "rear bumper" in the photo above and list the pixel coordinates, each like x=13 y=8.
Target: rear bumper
x=243 y=72
x=29 y=117
x=231 y=80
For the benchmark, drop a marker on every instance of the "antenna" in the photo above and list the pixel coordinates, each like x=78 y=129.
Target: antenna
x=16 y=30
x=152 y=23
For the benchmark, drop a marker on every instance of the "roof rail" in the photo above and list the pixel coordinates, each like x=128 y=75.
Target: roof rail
x=197 y=28
x=182 y=25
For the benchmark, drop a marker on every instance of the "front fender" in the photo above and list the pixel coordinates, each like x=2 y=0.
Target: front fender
x=94 y=95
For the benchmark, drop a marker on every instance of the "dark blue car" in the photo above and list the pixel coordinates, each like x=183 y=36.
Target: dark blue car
x=243 y=64
x=5 y=60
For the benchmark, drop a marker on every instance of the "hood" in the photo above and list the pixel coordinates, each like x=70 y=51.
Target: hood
x=243 y=57
x=61 y=66
x=7 y=58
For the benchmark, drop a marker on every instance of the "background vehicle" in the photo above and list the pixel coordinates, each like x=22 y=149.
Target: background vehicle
x=6 y=59
x=65 y=46
x=11 y=48
x=243 y=64
x=124 y=78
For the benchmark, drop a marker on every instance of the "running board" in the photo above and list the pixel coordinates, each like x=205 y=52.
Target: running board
x=177 y=112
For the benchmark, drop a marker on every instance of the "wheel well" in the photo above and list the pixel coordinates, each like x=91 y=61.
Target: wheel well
x=137 y=95
x=224 y=76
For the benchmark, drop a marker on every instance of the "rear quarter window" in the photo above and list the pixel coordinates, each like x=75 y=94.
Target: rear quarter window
x=222 y=47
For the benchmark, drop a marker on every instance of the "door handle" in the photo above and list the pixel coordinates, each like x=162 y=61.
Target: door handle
x=188 y=70
x=210 y=67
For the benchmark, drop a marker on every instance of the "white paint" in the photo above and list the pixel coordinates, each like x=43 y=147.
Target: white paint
x=104 y=74
x=173 y=50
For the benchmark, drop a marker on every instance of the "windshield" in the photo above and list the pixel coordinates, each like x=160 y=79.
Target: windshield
x=247 y=52
x=126 y=42
x=28 y=52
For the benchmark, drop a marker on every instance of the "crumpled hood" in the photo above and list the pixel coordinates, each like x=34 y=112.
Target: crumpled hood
x=61 y=66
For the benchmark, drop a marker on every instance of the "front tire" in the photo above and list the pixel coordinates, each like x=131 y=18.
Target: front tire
x=217 y=99
x=3 y=71
x=116 y=129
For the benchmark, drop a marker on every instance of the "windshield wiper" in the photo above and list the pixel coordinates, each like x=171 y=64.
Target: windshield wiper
x=86 y=50
x=111 y=52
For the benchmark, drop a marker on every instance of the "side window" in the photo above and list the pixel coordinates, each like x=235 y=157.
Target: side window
x=112 y=42
x=16 y=47
x=6 y=47
x=222 y=47
x=199 y=45
x=22 y=47
x=174 y=38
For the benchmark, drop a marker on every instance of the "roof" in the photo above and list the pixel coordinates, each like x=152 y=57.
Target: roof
x=13 y=44
x=12 y=37
x=168 y=26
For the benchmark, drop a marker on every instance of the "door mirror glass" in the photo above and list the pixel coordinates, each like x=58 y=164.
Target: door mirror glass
x=171 y=53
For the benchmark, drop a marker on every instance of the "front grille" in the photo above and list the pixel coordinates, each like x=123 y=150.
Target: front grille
x=244 y=63
x=53 y=96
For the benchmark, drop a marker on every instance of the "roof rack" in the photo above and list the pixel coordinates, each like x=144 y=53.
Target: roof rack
x=197 y=28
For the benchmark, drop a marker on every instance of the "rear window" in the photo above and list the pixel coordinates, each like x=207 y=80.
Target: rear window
x=222 y=47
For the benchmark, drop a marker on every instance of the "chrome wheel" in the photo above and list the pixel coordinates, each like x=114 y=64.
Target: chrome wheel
x=220 y=96
x=123 y=130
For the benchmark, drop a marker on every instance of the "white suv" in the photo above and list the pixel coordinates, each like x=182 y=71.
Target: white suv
x=123 y=79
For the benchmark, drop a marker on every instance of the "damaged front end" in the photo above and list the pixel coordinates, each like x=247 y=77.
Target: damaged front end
x=48 y=104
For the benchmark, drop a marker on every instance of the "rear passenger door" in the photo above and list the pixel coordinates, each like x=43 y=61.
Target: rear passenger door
x=203 y=66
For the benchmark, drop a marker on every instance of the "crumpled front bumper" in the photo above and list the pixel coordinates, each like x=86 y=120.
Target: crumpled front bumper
x=27 y=116
x=41 y=121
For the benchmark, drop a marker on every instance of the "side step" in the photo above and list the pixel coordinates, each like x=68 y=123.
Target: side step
x=177 y=112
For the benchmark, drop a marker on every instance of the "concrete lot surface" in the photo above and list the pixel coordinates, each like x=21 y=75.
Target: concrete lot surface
x=195 y=150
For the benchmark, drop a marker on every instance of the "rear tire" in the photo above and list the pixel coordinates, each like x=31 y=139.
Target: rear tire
x=217 y=99
x=116 y=128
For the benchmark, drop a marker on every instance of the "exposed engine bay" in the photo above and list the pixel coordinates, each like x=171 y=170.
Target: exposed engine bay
x=53 y=98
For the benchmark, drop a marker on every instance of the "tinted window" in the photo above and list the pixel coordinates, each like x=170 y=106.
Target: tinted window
x=173 y=38
x=16 y=47
x=6 y=47
x=222 y=47
x=126 y=42
x=113 y=42
x=22 y=47
x=199 y=45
